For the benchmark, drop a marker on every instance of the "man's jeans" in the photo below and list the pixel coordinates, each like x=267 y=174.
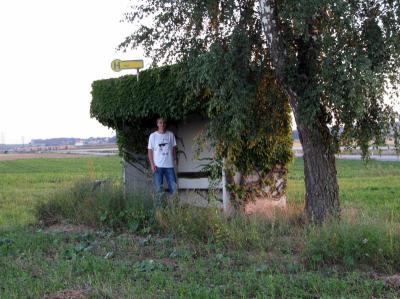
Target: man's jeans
x=159 y=174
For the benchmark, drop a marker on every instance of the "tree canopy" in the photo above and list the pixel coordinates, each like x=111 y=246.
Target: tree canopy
x=347 y=51
x=337 y=63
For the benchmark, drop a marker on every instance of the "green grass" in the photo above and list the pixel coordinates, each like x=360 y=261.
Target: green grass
x=44 y=263
x=373 y=188
x=26 y=182
x=185 y=259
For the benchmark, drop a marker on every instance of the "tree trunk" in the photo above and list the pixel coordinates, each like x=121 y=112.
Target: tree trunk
x=322 y=190
x=320 y=176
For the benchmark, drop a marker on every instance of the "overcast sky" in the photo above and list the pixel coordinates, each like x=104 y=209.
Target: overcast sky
x=51 y=51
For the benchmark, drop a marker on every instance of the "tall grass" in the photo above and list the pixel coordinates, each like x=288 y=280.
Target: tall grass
x=234 y=231
x=99 y=207
x=106 y=207
x=351 y=242
x=354 y=242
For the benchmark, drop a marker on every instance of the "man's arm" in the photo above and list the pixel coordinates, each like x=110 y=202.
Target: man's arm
x=174 y=150
x=174 y=155
x=151 y=160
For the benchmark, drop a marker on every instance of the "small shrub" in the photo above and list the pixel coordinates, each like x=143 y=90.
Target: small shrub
x=353 y=244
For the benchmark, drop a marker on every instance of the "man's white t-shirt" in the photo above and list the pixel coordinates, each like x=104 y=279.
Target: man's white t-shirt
x=162 y=145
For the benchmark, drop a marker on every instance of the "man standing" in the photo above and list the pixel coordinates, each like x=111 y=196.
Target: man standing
x=162 y=157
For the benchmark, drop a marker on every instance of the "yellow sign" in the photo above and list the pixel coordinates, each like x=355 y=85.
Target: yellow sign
x=118 y=65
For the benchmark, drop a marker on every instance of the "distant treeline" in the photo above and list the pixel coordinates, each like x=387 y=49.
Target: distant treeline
x=72 y=141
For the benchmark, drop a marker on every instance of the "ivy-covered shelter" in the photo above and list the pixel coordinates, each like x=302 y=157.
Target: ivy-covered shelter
x=254 y=169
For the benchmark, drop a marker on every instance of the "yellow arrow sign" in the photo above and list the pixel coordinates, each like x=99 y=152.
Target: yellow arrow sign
x=118 y=65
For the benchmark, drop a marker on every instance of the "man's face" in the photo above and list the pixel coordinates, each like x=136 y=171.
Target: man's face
x=161 y=124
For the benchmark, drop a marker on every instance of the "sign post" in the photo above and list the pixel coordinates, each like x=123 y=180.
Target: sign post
x=118 y=65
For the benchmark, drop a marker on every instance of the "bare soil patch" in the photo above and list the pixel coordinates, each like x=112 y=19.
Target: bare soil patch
x=393 y=281
x=68 y=294
x=66 y=228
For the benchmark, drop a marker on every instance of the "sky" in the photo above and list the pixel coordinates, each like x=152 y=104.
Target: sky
x=51 y=51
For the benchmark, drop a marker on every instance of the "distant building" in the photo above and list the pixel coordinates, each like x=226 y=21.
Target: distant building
x=79 y=143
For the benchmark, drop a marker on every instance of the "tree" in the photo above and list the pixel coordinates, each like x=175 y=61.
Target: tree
x=334 y=60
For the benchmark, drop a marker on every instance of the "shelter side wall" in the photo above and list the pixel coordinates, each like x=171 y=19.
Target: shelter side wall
x=191 y=161
x=137 y=179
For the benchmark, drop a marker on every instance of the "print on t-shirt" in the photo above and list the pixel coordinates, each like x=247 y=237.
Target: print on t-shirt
x=163 y=147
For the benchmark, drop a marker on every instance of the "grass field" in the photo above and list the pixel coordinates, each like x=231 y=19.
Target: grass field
x=85 y=263
x=25 y=182
x=372 y=188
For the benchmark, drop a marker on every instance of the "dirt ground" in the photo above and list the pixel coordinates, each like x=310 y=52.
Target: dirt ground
x=4 y=157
